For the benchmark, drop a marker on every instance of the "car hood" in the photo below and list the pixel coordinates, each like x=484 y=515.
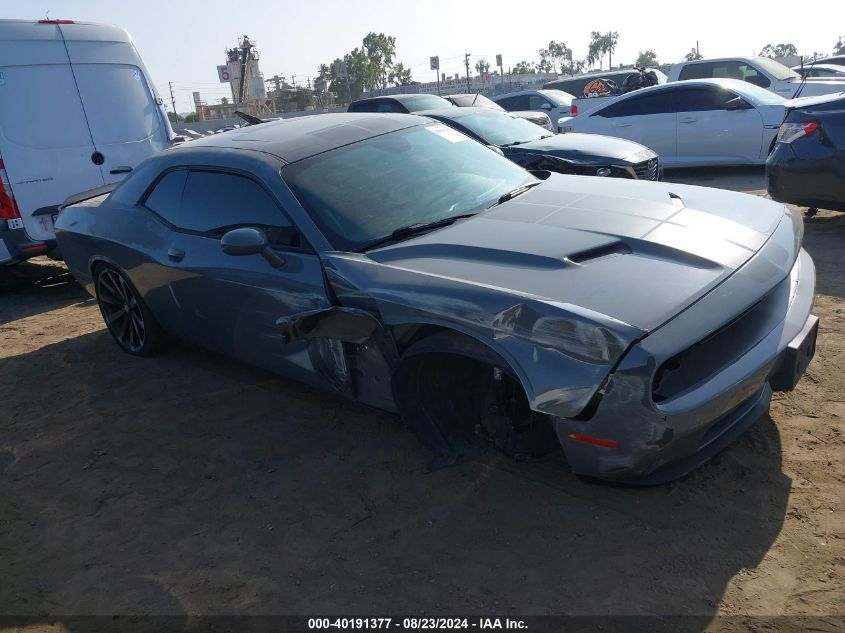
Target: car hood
x=627 y=254
x=587 y=148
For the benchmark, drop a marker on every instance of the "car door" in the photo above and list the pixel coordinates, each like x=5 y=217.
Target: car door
x=230 y=304
x=125 y=120
x=646 y=118
x=711 y=134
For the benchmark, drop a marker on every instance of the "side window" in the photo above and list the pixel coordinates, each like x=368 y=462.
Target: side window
x=388 y=106
x=359 y=107
x=214 y=202
x=166 y=198
x=519 y=103
x=753 y=76
x=535 y=102
x=702 y=99
x=696 y=71
x=656 y=103
x=507 y=103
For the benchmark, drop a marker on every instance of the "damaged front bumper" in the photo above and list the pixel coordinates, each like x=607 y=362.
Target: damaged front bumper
x=656 y=442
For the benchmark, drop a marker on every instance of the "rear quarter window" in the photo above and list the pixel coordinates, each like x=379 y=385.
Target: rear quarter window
x=696 y=71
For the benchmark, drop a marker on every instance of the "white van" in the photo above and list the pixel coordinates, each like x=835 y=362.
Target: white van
x=77 y=111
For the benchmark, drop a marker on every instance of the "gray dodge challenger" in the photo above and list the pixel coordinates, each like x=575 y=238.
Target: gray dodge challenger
x=641 y=326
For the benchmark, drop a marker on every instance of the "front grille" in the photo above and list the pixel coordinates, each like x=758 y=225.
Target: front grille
x=714 y=353
x=648 y=169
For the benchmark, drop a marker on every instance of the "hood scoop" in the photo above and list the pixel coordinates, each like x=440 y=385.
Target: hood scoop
x=600 y=252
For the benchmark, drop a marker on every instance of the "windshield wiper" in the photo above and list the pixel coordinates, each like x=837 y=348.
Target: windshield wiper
x=510 y=195
x=414 y=229
x=512 y=144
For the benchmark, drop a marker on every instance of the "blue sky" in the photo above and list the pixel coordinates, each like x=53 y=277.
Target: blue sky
x=183 y=42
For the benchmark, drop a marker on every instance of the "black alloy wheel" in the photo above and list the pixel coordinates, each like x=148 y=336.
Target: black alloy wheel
x=126 y=316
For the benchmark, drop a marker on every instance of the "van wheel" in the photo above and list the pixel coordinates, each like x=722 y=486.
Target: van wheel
x=127 y=317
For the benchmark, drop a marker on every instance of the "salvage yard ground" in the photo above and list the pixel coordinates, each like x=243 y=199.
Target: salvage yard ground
x=189 y=484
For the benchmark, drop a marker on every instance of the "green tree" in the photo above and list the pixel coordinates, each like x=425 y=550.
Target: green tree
x=400 y=76
x=347 y=75
x=692 y=56
x=647 y=58
x=524 y=68
x=379 y=50
x=556 y=57
x=482 y=66
x=191 y=117
x=839 y=48
x=602 y=44
x=779 y=50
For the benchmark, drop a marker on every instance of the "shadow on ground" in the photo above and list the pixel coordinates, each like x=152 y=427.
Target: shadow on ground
x=34 y=287
x=745 y=179
x=191 y=484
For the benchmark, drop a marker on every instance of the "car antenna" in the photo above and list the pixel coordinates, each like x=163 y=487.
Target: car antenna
x=804 y=76
x=475 y=99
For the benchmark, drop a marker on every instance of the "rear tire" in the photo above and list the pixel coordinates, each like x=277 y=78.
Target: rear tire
x=126 y=316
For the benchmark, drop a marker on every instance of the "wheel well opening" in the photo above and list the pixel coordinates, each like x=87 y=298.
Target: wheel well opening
x=459 y=397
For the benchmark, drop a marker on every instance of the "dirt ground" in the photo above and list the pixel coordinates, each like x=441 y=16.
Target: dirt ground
x=189 y=484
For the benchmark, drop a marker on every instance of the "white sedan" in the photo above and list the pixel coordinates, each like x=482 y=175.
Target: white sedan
x=692 y=123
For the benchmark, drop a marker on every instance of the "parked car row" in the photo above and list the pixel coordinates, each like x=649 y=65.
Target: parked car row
x=393 y=260
x=692 y=123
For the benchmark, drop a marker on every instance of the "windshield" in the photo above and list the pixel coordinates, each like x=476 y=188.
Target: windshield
x=425 y=102
x=560 y=98
x=360 y=193
x=499 y=128
x=776 y=69
x=476 y=100
x=755 y=94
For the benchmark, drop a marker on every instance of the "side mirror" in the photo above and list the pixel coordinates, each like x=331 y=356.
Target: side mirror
x=545 y=106
x=249 y=241
x=245 y=241
x=737 y=103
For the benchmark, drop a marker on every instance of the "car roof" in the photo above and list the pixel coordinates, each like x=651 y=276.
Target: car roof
x=300 y=137
x=399 y=97
x=734 y=84
x=722 y=59
x=459 y=113
x=826 y=66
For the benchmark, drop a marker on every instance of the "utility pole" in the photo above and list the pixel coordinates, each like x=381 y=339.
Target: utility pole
x=610 y=51
x=173 y=102
x=697 y=54
x=293 y=81
x=466 y=61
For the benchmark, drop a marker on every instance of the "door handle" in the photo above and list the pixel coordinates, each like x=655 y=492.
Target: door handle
x=176 y=254
x=688 y=120
x=621 y=125
x=121 y=170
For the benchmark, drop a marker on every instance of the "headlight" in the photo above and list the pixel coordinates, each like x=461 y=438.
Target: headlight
x=603 y=171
